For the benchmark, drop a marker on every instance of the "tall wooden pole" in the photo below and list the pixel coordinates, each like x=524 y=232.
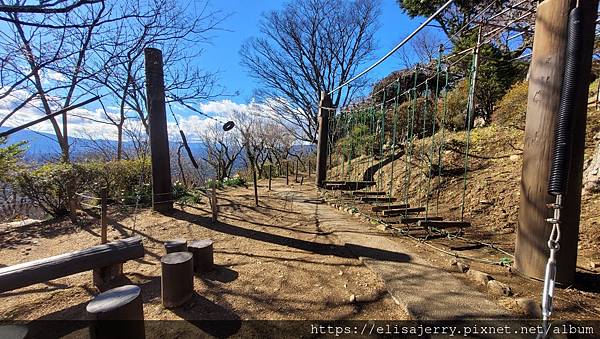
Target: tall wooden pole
x=325 y=107
x=159 y=138
x=104 y=216
x=545 y=83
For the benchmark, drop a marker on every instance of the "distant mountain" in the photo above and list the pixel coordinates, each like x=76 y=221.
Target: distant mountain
x=43 y=146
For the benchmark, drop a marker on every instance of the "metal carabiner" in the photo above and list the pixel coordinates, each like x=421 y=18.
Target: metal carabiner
x=549 y=283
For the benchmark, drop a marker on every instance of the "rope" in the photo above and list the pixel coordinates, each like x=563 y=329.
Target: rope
x=410 y=139
x=424 y=112
x=397 y=47
x=442 y=141
x=470 y=108
x=391 y=191
x=433 y=117
x=383 y=113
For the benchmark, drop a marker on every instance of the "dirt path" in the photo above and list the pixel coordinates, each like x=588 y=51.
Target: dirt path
x=272 y=263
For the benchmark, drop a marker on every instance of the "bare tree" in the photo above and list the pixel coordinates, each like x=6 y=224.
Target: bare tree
x=222 y=150
x=42 y=67
x=424 y=48
x=308 y=47
x=46 y=7
x=177 y=31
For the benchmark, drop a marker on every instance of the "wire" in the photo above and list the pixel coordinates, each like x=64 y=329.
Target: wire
x=402 y=43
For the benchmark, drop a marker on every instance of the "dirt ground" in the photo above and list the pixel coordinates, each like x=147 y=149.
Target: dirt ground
x=492 y=194
x=272 y=263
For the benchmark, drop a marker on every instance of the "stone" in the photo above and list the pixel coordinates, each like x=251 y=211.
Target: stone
x=459 y=266
x=381 y=227
x=352 y=298
x=515 y=157
x=529 y=307
x=479 y=277
x=498 y=288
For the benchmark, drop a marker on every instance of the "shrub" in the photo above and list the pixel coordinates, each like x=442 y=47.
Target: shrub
x=125 y=180
x=511 y=109
x=9 y=156
x=455 y=116
x=234 y=182
x=185 y=195
x=358 y=142
x=214 y=183
x=47 y=186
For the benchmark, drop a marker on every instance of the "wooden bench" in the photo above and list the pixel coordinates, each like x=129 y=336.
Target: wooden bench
x=42 y=270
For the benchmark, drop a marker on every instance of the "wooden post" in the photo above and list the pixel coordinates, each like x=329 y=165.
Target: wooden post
x=214 y=205
x=159 y=138
x=297 y=169
x=270 y=175
x=309 y=168
x=546 y=72
x=103 y=216
x=287 y=172
x=324 y=110
x=255 y=180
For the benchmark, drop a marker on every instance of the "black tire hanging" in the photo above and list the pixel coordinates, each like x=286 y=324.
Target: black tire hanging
x=228 y=126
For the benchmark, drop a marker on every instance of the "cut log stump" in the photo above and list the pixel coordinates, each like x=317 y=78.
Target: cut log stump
x=122 y=303
x=175 y=245
x=177 y=278
x=202 y=251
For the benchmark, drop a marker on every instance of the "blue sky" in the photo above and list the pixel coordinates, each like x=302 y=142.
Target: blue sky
x=243 y=23
x=222 y=55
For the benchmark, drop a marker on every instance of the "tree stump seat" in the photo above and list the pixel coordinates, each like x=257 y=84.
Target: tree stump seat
x=177 y=278
x=202 y=251
x=123 y=304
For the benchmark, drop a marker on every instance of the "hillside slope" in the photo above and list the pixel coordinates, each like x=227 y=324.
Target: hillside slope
x=491 y=192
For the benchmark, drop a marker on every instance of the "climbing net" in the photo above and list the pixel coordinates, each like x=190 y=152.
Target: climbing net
x=408 y=118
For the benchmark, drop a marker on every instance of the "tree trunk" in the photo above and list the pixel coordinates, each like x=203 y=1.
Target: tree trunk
x=120 y=142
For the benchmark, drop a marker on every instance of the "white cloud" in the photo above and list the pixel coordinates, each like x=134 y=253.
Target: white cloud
x=93 y=123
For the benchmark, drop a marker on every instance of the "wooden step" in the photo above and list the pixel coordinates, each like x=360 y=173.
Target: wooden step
x=335 y=187
x=378 y=208
x=377 y=199
x=347 y=185
x=443 y=224
x=402 y=211
x=365 y=193
x=412 y=220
